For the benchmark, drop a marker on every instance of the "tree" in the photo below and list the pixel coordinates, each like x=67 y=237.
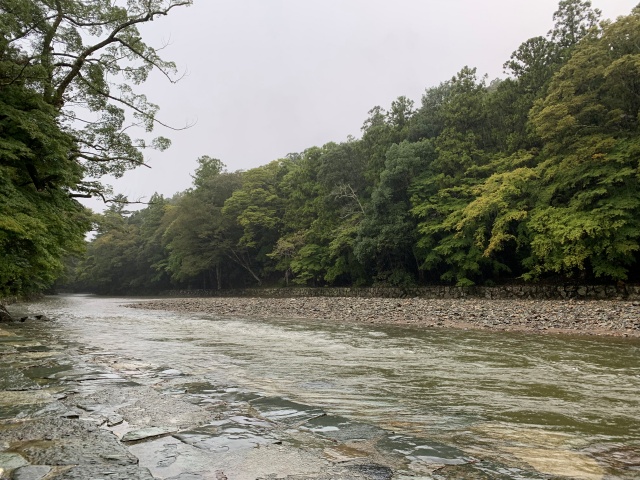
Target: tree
x=323 y=195
x=534 y=63
x=68 y=69
x=574 y=19
x=586 y=219
x=387 y=235
x=111 y=260
x=442 y=191
x=82 y=59
x=256 y=208
x=200 y=239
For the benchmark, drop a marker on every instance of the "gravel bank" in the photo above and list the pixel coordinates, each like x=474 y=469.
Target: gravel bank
x=606 y=317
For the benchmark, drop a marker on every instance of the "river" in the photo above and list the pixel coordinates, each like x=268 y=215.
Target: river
x=529 y=406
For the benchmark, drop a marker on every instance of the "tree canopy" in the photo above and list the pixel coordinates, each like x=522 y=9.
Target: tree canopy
x=68 y=102
x=532 y=177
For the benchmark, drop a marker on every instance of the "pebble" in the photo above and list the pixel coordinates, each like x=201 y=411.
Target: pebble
x=584 y=317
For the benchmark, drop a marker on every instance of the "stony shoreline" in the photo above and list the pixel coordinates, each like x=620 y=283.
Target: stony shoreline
x=617 y=318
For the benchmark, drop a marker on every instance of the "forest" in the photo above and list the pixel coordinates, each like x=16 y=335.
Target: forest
x=529 y=178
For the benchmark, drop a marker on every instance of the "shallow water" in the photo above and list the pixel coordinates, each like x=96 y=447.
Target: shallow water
x=535 y=406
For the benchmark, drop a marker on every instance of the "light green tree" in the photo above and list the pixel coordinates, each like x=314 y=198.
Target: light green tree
x=586 y=218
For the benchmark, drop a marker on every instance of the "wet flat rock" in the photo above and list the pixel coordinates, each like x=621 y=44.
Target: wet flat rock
x=99 y=472
x=365 y=471
x=145 y=433
x=59 y=441
x=146 y=407
x=28 y=397
x=13 y=379
x=11 y=460
x=31 y=472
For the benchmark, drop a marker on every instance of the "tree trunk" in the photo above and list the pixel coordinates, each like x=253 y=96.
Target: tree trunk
x=244 y=265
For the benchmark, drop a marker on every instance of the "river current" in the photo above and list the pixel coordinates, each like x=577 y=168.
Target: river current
x=553 y=406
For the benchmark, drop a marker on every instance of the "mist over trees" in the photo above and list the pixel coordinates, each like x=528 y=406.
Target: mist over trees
x=534 y=177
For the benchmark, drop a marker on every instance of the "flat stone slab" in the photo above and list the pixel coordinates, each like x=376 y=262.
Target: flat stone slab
x=14 y=379
x=9 y=461
x=28 y=397
x=145 y=433
x=84 y=472
x=144 y=407
x=31 y=472
x=61 y=441
x=114 y=419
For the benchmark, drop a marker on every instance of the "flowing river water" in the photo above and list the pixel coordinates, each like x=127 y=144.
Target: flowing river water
x=528 y=406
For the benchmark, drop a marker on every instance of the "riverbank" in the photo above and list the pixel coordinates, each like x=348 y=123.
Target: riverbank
x=580 y=317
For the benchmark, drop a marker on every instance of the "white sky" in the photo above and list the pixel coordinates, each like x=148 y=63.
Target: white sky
x=270 y=77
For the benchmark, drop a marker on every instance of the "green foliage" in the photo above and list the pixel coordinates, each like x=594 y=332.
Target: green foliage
x=529 y=177
x=67 y=75
x=586 y=219
x=199 y=239
x=37 y=231
x=387 y=235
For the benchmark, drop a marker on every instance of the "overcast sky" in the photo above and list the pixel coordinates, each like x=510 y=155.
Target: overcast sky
x=269 y=77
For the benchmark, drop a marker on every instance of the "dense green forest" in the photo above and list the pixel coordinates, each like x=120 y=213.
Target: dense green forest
x=533 y=178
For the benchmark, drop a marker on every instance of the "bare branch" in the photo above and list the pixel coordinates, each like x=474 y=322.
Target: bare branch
x=344 y=190
x=131 y=106
x=98 y=159
x=160 y=68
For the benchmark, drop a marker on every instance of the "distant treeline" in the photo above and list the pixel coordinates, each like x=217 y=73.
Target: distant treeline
x=532 y=177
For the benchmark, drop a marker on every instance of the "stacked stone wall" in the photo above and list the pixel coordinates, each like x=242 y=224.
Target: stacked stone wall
x=542 y=292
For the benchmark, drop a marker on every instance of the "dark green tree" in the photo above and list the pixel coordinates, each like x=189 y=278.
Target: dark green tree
x=200 y=240
x=68 y=72
x=387 y=236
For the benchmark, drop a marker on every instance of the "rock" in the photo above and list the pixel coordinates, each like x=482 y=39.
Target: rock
x=70 y=443
x=146 y=433
x=9 y=461
x=113 y=420
x=70 y=414
x=84 y=472
x=90 y=408
x=31 y=472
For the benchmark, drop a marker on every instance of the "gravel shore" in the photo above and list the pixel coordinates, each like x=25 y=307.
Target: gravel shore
x=602 y=317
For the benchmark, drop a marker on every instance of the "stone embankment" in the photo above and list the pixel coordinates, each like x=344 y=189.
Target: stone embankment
x=581 y=317
x=540 y=292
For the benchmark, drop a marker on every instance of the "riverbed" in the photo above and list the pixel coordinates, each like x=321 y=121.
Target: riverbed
x=413 y=402
x=579 y=317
